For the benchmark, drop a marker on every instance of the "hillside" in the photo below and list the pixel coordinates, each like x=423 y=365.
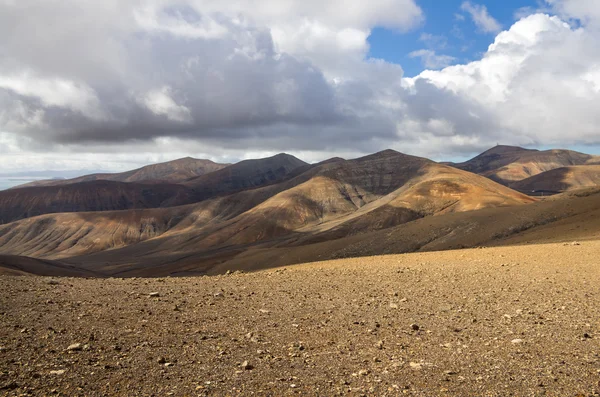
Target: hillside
x=99 y=195
x=508 y=164
x=246 y=174
x=172 y=171
x=102 y=195
x=561 y=180
x=334 y=199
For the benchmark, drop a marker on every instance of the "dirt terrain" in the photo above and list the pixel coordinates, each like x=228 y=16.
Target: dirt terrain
x=510 y=321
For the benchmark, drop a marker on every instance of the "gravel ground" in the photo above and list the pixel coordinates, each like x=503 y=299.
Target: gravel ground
x=521 y=321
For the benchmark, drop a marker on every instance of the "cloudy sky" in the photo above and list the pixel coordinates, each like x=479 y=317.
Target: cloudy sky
x=115 y=84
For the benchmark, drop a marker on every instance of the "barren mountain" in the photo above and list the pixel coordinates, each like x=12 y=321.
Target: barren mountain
x=89 y=196
x=340 y=198
x=246 y=174
x=560 y=180
x=507 y=164
x=171 y=172
x=102 y=195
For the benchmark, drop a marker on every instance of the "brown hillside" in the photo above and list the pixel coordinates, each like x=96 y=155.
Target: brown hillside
x=104 y=195
x=171 y=171
x=325 y=202
x=507 y=164
x=561 y=180
x=246 y=174
x=89 y=196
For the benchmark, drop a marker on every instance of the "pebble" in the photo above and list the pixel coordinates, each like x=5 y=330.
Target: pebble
x=516 y=341
x=247 y=366
x=415 y=327
x=154 y=295
x=58 y=372
x=74 y=347
x=416 y=366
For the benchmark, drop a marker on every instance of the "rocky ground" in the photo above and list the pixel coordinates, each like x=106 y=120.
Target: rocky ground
x=522 y=321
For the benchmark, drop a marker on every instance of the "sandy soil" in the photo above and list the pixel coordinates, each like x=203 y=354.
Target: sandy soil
x=522 y=321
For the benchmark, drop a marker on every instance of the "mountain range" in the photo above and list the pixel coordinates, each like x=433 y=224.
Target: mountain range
x=193 y=216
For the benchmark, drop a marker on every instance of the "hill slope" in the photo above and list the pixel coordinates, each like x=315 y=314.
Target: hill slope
x=561 y=180
x=329 y=201
x=102 y=195
x=507 y=164
x=171 y=171
x=89 y=196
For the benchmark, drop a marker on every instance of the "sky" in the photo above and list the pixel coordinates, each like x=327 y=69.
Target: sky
x=117 y=84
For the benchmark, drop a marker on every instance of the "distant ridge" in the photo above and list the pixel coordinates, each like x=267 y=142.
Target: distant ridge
x=508 y=164
x=171 y=171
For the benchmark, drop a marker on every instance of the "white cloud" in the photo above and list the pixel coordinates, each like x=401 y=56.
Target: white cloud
x=435 y=42
x=537 y=83
x=130 y=82
x=481 y=17
x=160 y=102
x=431 y=60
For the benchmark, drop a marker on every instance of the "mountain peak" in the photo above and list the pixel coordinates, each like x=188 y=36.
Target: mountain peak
x=503 y=149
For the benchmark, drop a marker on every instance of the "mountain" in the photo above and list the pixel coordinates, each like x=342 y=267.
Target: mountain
x=246 y=174
x=323 y=202
x=171 y=172
x=508 y=164
x=561 y=180
x=104 y=195
x=88 y=196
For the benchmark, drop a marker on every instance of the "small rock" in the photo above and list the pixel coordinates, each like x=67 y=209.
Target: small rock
x=218 y=295
x=264 y=311
x=415 y=327
x=169 y=364
x=153 y=294
x=363 y=372
x=416 y=366
x=587 y=336
x=380 y=345
x=293 y=386
x=516 y=341
x=247 y=366
x=393 y=305
x=75 y=347
x=58 y=372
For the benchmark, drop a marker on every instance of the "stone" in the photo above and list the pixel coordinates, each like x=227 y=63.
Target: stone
x=415 y=366
x=415 y=327
x=58 y=372
x=153 y=294
x=247 y=366
x=516 y=341
x=75 y=347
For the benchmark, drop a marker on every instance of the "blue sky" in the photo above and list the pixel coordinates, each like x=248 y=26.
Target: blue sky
x=447 y=30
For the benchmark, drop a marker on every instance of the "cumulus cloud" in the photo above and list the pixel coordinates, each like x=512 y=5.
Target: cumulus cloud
x=481 y=17
x=139 y=81
x=537 y=84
